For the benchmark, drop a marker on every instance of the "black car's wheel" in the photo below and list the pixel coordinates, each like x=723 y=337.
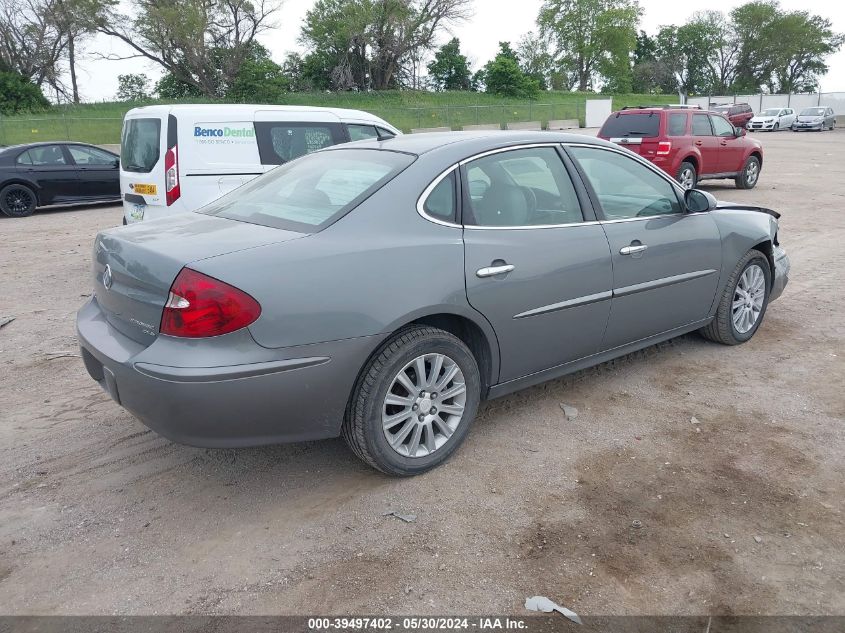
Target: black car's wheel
x=687 y=175
x=414 y=402
x=17 y=201
x=743 y=302
x=750 y=174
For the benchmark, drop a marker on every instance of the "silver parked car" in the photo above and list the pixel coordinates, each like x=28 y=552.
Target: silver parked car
x=818 y=119
x=382 y=289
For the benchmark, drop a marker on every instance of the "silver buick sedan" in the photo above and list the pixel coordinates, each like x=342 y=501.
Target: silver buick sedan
x=380 y=290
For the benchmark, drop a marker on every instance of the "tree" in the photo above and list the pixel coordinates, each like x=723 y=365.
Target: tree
x=202 y=43
x=723 y=53
x=18 y=94
x=133 y=87
x=535 y=59
x=684 y=51
x=450 y=69
x=503 y=76
x=173 y=89
x=591 y=37
x=805 y=41
x=259 y=80
x=375 y=43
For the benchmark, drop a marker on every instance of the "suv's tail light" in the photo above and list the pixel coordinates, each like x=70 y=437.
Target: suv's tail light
x=664 y=147
x=200 y=306
x=171 y=175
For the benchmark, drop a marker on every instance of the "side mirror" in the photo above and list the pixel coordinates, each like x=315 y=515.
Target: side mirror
x=697 y=201
x=739 y=131
x=116 y=163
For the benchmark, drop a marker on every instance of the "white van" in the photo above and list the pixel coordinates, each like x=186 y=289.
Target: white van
x=176 y=158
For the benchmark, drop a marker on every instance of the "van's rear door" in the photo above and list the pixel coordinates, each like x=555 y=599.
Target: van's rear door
x=143 y=145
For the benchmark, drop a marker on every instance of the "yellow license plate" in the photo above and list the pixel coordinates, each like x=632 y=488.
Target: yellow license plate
x=147 y=190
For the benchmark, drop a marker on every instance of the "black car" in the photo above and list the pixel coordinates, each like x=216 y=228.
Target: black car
x=40 y=174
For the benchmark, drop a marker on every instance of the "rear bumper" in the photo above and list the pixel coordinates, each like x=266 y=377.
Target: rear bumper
x=781 y=276
x=259 y=396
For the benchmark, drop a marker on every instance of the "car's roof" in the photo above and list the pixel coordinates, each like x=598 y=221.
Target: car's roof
x=245 y=109
x=469 y=142
x=25 y=146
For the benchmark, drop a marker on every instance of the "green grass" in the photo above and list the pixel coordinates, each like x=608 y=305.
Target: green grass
x=100 y=122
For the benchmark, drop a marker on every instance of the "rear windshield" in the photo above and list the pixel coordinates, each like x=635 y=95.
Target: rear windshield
x=139 y=145
x=310 y=193
x=639 y=125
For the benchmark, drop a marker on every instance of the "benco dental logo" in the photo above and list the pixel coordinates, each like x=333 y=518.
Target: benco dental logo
x=225 y=132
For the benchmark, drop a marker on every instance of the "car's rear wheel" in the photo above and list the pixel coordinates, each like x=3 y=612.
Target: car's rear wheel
x=17 y=201
x=414 y=402
x=743 y=302
x=750 y=174
x=687 y=175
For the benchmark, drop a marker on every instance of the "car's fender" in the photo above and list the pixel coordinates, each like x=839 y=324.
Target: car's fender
x=18 y=180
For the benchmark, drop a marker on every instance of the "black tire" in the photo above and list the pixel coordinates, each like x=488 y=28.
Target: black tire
x=776 y=127
x=687 y=166
x=17 y=201
x=124 y=220
x=721 y=329
x=747 y=178
x=362 y=426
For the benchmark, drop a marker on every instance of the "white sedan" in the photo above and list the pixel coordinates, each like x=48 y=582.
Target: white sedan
x=773 y=119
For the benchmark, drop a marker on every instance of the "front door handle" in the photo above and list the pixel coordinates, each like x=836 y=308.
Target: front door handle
x=632 y=250
x=492 y=271
x=699 y=142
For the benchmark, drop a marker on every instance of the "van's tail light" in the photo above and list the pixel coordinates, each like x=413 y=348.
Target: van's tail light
x=664 y=147
x=171 y=175
x=200 y=306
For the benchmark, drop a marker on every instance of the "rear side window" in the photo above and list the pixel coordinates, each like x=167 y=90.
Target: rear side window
x=139 y=144
x=441 y=202
x=309 y=194
x=677 y=125
x=361 y=132
x=46 y=155
x=701 y=125
x=626 y=125
x=279 y=143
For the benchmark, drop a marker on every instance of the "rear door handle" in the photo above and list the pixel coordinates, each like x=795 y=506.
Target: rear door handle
x=492 y=271
x=632 y=250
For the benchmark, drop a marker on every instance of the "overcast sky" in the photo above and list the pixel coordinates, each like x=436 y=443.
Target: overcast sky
x=493 y=21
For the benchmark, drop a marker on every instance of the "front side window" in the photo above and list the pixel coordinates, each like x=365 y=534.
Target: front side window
x=139 y=145
x=521 y=187
x=309 y=194
x=701 y=125
x=43 y=156
x=90 y=156
x=677 y=125
x=279 y=143
x=625 y=188
x=721 y=127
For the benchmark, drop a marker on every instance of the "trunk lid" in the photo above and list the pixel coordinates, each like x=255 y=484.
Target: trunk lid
x=134 y=266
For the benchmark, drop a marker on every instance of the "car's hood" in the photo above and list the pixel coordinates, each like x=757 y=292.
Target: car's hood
x=735 y=206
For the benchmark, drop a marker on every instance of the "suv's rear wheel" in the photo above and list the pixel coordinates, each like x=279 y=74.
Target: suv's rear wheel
x=687 y=175
x=749 y=175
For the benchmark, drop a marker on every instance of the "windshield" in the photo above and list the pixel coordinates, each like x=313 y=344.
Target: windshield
x=309 y=193
x=139 y=146
x=770 y=112
x=812 y=112
x=638 y=125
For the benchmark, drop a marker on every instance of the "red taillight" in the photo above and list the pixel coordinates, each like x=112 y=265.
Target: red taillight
x=664 y=147
x=171 y=175
x=199 y=306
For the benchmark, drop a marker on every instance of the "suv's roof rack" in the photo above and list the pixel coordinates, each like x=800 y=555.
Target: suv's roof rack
x=664 y=106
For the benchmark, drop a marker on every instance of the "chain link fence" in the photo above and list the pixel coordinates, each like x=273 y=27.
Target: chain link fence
x=106 y=130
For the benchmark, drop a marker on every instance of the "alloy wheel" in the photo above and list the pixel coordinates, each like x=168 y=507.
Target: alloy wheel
x=424 y=405
x=752 y=172
x=18 y=200
x=686 y=178
x=748 y=299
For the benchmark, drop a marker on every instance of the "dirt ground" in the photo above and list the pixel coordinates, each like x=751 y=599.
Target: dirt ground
x=739 y=514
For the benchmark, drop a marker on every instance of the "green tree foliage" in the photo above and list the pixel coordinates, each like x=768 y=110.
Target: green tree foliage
x=18 y=94
x=259 y=80
x=592 y=38
x=450 y=69
x=173 y=89
x=684 y=51
x=503 y=75
x=133 y=87
x=375 y=44
x=535 y=59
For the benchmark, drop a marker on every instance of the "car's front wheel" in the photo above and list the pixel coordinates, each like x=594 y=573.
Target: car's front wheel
x=743 y=301
x=750 y=174
x=687 y=175
x=17 y=201
x=414 y=401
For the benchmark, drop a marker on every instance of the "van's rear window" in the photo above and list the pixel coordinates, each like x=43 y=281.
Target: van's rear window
x=139 y=145
x=311 y=192
x=631 y=125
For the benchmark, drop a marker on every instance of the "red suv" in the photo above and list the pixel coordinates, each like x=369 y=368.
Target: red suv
x=688 y=143
x=739 y=114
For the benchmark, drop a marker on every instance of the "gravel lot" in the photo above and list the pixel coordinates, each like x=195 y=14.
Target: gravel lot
x=740 y=513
